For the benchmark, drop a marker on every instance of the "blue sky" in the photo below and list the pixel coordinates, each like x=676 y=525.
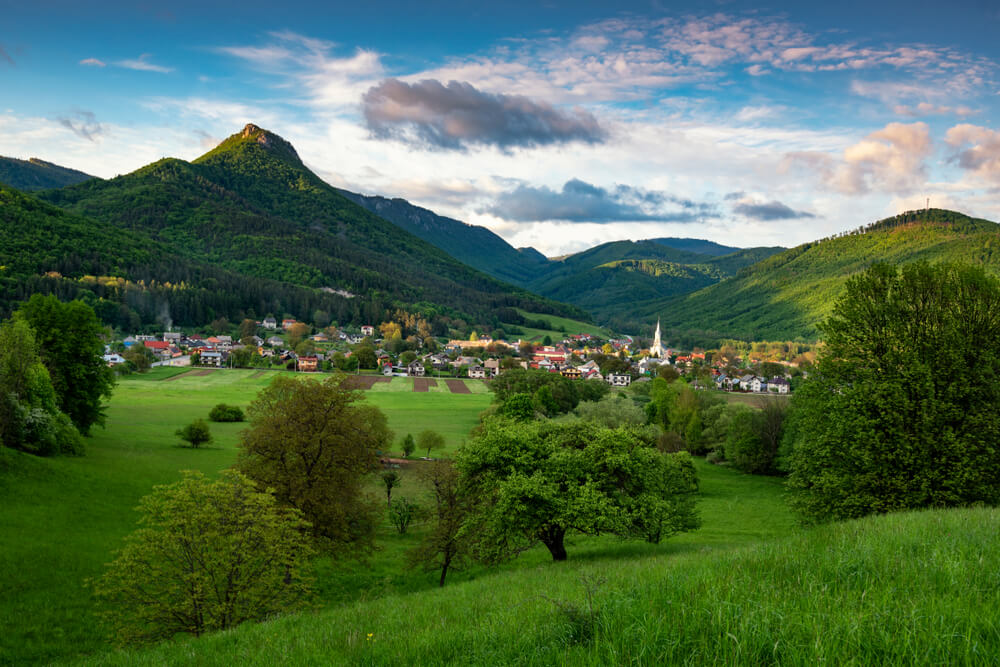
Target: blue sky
x=558 y=125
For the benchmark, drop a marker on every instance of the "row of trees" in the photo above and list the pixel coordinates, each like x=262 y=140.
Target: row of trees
x=52 y=376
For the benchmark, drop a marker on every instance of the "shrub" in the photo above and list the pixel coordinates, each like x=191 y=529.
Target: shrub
x=226 y=413
x=195 y=434
x=401 y=513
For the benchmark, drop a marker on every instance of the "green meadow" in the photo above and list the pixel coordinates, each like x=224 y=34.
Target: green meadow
x=750 y=587
x=562 y=326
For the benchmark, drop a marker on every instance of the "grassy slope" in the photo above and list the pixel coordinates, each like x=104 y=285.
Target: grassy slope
x=915 y=588
x=571 y=327
x=35 y=174
x=61 y=518
x=785 y=296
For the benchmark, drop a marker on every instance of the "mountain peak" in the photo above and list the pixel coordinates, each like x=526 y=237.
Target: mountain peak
x=254 y=134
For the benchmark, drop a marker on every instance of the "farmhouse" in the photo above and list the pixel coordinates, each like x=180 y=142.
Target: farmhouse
x=212 y=359
x=308 y=364
x=270 y=323
x=477 y=372
x=367 y=330
x=779 y=385
x=415 y=369
x=619 y=379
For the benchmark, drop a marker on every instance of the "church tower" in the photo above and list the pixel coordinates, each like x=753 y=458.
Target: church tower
x=657 y=349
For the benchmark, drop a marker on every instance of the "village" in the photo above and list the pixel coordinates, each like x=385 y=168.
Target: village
x=289 y=344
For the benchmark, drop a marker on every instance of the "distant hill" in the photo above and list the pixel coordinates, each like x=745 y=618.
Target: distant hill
x=474 y=245
x=785 y=296
x=696 y=245
x=613 y=280
x=34 y=174
x=250 y=207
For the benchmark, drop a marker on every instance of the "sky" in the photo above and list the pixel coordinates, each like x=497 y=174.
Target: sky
x=558 y=125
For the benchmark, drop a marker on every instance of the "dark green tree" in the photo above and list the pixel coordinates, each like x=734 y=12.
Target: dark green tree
x=195 y=434
x=903 y=408
x=315 y=444
x=538 y=481
x=390 y=479
x=409 y=444
x=69 y=341
x=449 y=543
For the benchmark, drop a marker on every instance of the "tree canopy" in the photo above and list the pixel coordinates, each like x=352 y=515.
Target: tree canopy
x=537 y=481
x=208 y=555
x=69 y=341
x=903 y=410
x=314 y=443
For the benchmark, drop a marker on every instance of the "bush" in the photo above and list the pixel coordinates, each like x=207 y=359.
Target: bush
x=226 y=413
x=401 y=513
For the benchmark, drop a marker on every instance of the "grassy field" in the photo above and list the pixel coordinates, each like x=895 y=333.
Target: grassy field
x=905 y=589
x=60 y=519
x=571 y=327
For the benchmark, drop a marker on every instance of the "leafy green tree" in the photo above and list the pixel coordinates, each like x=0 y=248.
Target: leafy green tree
x=407 y=357
x=30 y=419
x=139 y=357
x=390 y=479
x=209 y=555
x=544 y=402
x=547 y=340
x=402 y=514
x=537 y=481
x=612 y=411
x=430 y=440
x=365 y=356
x=519 y=407
x=449 y=543
x=226 y=413
x=69 y=340
x=247 y=328
x=409 y=444
x=903 y=409
x=315 y=443
x=195 y=434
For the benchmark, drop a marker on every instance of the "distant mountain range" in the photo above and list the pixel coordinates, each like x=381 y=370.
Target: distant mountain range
x=248 y=219
x=34 y=174
x=248 y=228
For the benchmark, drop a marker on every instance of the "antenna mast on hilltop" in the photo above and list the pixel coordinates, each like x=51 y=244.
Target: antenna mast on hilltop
x=928 y=207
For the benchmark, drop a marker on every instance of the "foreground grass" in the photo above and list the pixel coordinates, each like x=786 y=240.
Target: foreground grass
x=916 y=588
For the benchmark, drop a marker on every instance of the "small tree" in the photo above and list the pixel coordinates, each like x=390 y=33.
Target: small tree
x=430 y=440
x=390 y=478
x=402 y=514
x=409 y=444
x=209 y=554
x=449 y=543
x=195 y=434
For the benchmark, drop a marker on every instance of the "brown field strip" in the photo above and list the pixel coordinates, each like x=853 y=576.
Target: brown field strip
x=178 y=376
x=364 y=382
x=423 y=384
x=457 y=387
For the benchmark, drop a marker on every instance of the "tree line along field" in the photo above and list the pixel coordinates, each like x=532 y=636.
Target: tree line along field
x=62 y=518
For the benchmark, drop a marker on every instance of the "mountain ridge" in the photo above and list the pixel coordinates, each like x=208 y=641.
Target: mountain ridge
x=36 y=174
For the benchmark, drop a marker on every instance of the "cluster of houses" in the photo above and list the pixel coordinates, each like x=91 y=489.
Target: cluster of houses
x=752 y=384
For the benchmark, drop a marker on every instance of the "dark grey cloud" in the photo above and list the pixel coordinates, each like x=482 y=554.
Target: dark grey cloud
x=458 y=115
x=772 y=210
x=83 y=124
x=731 y=196
x=5 y=57
x=579 y=201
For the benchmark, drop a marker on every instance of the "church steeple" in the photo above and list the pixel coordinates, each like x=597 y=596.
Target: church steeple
x=657 y=349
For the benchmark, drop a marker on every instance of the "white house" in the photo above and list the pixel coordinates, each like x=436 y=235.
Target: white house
x=270 y=323
x=757 y=385
x=477 y=373
x=779 y=385
x=367 y=330
x=619 y=379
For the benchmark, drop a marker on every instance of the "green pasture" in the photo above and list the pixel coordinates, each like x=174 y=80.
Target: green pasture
x=571 y=326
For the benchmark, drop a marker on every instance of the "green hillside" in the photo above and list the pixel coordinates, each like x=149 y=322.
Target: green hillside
x=35 y=174
x=613 y=280
x=476 y=246
x=251 y=207
x=915 y=588
x=785 y=296
x=700 y=246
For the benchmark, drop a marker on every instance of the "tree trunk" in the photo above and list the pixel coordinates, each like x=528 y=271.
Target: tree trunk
x=552 y=537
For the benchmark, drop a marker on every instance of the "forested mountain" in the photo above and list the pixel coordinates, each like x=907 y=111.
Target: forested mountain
x=474 y=245
x=613 y=280
x=697 y=245
x=785 y=296
x=251 y=208
x=34 y=174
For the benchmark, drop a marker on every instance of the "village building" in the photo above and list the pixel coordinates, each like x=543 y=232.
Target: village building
x=657 y=350
x=211 y=358
x=477 y=373
x=619 y=379
x=779 y=385
x=270 y=323
x=367 y=330
x=308 y=364
x=415 y=369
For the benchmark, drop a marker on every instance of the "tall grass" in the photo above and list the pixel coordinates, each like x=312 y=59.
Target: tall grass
x=909 y=589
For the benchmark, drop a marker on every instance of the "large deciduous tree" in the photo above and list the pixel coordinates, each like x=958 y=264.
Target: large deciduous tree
x=537 y=481
x=314 y=443
x=69 y=341
x=903 y=409
x=209 y=554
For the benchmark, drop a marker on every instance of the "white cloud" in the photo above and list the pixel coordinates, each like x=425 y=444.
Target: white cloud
x=142 y=64
x=977 y=150
x=93 y=62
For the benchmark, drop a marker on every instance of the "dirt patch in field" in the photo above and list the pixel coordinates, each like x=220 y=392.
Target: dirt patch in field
x=457 y=387
x=179 y=376
x=423 y=384
x=364 y=382
x=258 y=374
x=204 y=371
